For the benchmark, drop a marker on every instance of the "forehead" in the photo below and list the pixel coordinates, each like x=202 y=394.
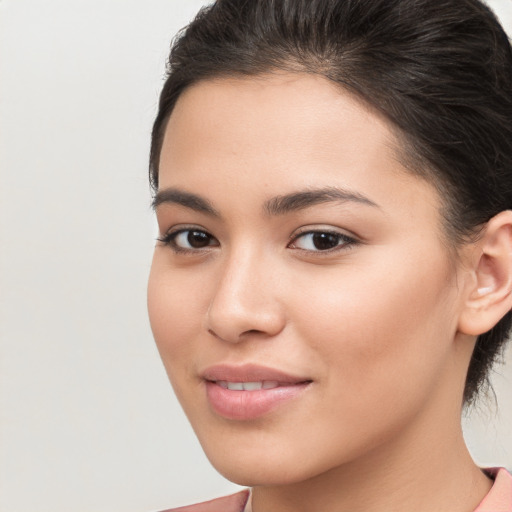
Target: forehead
x=279 y=108
x=270 y=134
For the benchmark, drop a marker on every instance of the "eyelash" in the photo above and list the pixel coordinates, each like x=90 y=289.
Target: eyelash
x=343 y=241
x=169 y=239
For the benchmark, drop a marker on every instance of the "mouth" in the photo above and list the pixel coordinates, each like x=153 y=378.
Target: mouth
x=252 y=386
x=248 y=392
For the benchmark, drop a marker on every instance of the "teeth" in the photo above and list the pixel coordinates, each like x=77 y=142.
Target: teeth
x=248 y=386
x=252 y=386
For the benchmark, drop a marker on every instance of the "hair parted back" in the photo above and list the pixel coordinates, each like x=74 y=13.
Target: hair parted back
x=439 y=71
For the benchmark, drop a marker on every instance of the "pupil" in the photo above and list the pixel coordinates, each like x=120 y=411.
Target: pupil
x=324 y=241
x=197 y=239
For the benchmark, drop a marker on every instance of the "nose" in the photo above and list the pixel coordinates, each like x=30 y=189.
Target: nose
x=245 y=302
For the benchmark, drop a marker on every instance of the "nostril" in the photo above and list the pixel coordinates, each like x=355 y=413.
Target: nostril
x=235 y=321
x=252 y=331
x=240 y=337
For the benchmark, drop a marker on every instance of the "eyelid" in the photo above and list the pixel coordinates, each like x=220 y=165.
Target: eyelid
x=349 y=240
x=346 y=240
x=169 y=237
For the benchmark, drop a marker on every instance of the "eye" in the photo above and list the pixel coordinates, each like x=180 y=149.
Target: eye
x=321 y=241
x=188 y=240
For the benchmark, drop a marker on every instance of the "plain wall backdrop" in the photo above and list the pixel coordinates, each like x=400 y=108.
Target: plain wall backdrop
x=88 y=421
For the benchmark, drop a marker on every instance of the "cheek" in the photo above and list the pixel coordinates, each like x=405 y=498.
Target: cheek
x=174 y=306
x=381 y=326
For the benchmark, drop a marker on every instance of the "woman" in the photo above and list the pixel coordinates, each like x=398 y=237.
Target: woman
x=333 y=276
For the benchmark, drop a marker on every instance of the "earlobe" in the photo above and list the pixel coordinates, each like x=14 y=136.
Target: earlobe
x=489 y=297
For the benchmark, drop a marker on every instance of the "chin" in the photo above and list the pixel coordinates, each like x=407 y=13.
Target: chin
x=263 y=473
x=261 y=465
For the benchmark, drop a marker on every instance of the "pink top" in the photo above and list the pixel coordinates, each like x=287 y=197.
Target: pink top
x=499 y=498
x=234 y=503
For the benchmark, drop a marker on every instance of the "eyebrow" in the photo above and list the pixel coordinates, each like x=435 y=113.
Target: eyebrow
x=278 y=205
x=305 y=199
x=192 y=201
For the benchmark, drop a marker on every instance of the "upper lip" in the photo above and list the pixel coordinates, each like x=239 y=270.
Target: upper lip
x=249 y=373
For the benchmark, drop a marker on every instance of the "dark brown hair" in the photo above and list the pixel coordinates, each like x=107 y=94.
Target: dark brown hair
x=439 y=71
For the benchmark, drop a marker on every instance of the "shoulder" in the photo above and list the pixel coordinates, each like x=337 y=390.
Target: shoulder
x=499 y=498
x=233 y=503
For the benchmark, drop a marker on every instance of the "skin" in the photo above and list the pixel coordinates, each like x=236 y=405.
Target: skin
x=375 y=324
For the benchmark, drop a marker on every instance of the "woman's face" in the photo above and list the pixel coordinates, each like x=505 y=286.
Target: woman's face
x=301 y=296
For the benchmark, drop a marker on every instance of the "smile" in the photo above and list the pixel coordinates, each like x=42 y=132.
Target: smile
x=249 y=392
x=249 y=386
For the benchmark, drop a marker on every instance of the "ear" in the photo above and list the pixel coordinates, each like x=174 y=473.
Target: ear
x=489 y=296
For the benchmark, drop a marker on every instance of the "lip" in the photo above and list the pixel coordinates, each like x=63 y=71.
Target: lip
x=248 y=405
x=249 y=373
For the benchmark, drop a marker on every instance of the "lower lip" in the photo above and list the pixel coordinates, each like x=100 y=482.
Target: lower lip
x=248 y=405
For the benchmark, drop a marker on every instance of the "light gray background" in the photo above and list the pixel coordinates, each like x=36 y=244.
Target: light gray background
x=87 y=419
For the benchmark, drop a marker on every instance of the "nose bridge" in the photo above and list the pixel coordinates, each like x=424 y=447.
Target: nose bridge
x=238 y=278
x=245 y=298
